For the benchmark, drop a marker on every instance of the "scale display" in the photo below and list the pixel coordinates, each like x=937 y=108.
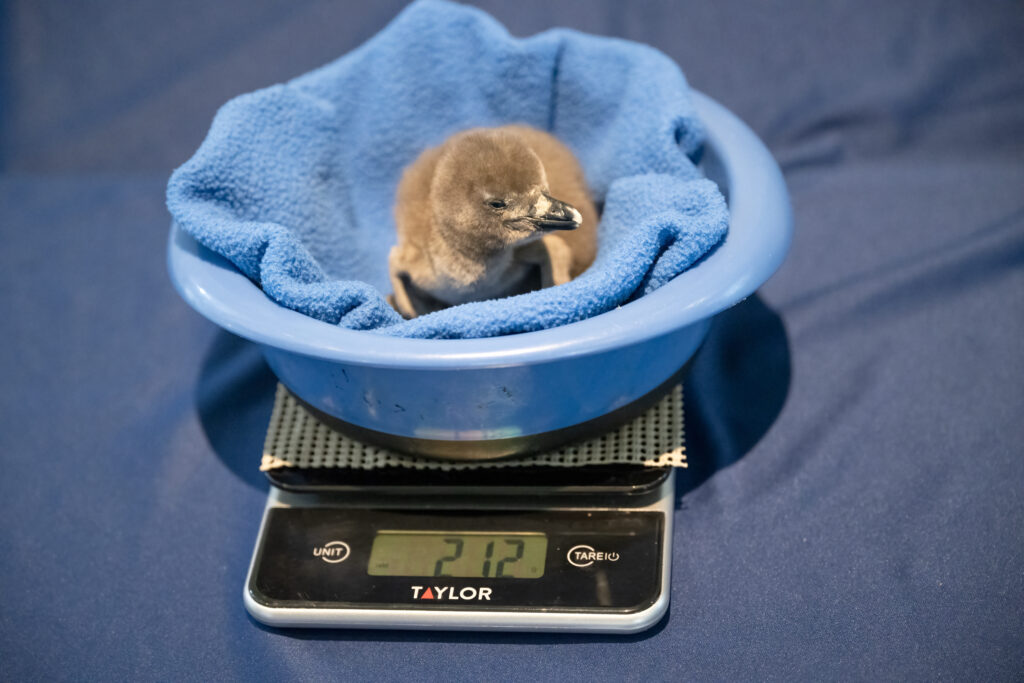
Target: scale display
x=534 y=559
x=461 y=554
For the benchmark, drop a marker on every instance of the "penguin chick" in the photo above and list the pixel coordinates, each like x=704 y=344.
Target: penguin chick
x=479 y=214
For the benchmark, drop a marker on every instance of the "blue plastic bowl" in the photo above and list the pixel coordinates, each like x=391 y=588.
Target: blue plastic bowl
x=486 y=398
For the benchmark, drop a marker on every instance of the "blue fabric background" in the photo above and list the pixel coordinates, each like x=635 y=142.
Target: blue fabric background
x=855 y=504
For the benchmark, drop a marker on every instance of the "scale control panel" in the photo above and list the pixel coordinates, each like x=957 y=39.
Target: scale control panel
x=457 y=560
x=463 y=564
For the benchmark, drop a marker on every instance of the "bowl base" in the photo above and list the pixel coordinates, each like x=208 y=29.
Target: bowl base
x=491 y=449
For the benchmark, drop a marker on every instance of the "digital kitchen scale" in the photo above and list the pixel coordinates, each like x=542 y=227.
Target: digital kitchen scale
x=508 y=549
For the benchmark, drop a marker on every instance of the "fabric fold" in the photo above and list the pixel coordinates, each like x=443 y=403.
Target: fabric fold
x=294 y=184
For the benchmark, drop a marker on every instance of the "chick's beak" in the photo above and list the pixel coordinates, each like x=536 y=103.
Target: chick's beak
x=552 y=214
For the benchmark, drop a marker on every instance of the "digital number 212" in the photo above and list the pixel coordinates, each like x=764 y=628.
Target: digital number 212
x=458 y=545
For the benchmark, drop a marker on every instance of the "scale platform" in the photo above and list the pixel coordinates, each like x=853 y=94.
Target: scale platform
x=539 y=549
x=577 y=539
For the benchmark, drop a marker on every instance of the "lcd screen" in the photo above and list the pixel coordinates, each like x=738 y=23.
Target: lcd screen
x=513 y=555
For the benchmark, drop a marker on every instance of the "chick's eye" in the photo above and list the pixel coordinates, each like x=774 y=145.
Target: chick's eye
x=496 y=203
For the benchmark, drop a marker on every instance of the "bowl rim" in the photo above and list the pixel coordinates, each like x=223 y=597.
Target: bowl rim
x=760 y=231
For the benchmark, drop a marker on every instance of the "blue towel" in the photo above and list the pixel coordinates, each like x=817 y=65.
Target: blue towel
x=295 y=183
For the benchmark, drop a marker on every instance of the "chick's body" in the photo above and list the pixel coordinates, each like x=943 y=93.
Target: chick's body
x=480 y=215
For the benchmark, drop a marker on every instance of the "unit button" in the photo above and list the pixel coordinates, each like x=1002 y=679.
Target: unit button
x=585 y=555
x=333 y=552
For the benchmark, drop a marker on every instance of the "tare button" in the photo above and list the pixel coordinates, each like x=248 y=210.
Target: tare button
x=585 y=555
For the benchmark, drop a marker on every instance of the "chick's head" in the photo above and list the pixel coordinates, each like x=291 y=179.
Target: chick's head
x=490 y=190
